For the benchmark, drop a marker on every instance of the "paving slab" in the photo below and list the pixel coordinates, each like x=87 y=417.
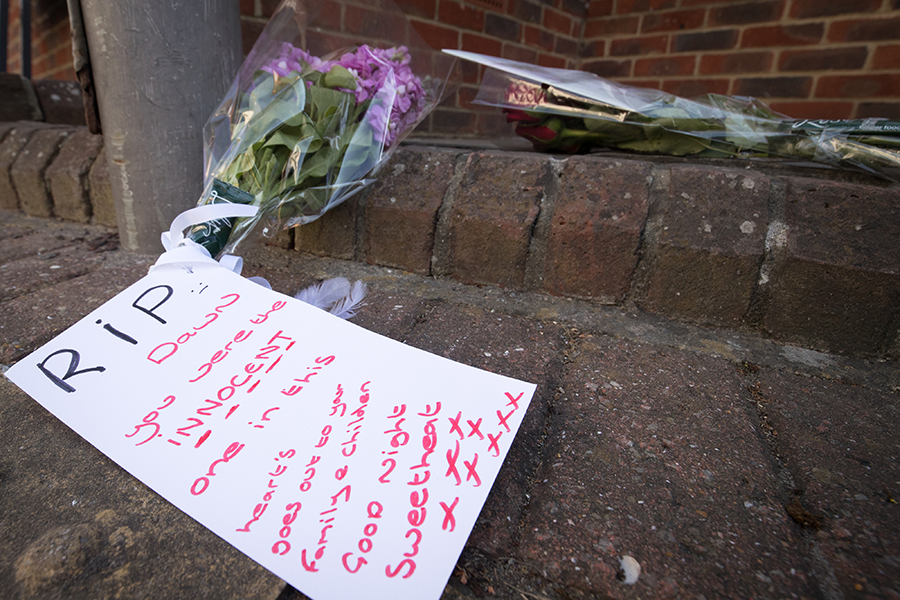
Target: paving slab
x=840 y=449
x=516 y=348
x=73 y=524
x=656 y=455
x=29 y=169
x=717 y=460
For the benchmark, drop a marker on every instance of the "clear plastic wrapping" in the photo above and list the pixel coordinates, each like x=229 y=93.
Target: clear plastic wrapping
x=570 y=111
x=307 y=124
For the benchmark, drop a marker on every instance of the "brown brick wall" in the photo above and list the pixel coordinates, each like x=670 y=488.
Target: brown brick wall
x=806 y=58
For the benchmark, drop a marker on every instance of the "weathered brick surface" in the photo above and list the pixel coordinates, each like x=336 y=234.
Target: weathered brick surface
x=712 y=239
x=13 y=143
x=498 y=344
x=29 y=169
x=60 y=101
x=490 y=223
x=67 y=176
x=839 y=286
x=839 y=444
x=333 y=234
x=595 y=232
x=19 y=100
x=655 y=456
x=103 y=205
x=401 y=211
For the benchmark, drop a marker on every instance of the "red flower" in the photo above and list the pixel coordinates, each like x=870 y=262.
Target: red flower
x=513 y=114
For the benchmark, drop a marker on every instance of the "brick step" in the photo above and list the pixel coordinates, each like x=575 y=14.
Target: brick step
x=801 y=255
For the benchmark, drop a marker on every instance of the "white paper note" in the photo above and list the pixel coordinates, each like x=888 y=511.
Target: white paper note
x=342 y=461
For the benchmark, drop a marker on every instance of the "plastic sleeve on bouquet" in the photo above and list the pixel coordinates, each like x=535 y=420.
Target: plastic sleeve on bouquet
x=301 y=131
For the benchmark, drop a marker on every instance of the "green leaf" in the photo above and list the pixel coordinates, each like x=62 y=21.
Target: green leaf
x=339 y=77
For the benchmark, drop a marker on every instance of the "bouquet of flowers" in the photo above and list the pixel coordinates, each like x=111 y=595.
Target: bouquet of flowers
x=298 y=134
x=574 y=112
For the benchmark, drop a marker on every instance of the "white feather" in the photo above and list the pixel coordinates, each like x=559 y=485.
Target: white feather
x=336 y=293
x=326 y=293
x=346 y=307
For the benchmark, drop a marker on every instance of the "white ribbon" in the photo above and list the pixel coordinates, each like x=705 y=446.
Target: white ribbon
x=182 y=251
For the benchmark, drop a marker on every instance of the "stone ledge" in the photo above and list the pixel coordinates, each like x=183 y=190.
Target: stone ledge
x=798 y=254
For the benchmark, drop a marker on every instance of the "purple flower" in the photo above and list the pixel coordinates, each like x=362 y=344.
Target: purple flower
x=376 y=70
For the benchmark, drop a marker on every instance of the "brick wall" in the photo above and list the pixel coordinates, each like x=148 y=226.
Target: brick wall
x=51 y=45
x=806 y=58
x=830 y=59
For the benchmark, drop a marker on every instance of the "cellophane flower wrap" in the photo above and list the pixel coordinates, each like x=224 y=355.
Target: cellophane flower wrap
x=299 y=133
x=569 y=111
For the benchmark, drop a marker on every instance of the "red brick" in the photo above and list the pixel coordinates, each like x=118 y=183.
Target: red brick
x=480 y=44
x=502 y=27
x=329 y=16
x=599 y=8
x=323 y=42
x=250 y=31
x=714 y=245
x=824 y=59
x=723 y=39
x=596 y=226
x=811 y=9
x=884 y=110
x=436 y=35
x=461 y=15
x=401 y=210
x=547 y=60
x=418 y=8
x=471 y=72
x=858 y=86
x=602 y=27
x=576 y=8
x=742 y=62
x=673 y=20
x=814 y=109
x=373 y=23
x=692 y=88
x=608 y=68
x=539 y=37
x=566 y=46
x=650 y=84
x=746 y=13
x=773 y=87
x=557 y=21
x=445 y=120
x=864 y=30
x=638 y=46
x=491 y=220
x=465 y=95
x=664 y=66
x=514 y=52
x=526 y=11
x=886 y=57
x=642 y=6
x=593 y=49
x=333 y=234
x=778 y=35
x=841 y=250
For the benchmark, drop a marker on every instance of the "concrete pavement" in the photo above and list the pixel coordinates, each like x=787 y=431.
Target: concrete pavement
x=725 y=464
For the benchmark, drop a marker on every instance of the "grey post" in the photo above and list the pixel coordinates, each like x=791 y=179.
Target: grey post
x=160 y=68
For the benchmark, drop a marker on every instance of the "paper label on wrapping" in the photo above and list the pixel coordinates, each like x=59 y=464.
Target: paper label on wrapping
x=338 y=459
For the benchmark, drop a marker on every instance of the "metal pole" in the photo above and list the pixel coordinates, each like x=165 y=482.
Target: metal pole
x=4 y=28
x=159 y=69
x=25 y=19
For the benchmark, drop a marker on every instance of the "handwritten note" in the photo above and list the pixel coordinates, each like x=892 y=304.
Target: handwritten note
x=338 y=459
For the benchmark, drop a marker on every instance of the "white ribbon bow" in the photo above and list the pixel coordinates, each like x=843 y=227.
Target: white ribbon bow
x=183 y=251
